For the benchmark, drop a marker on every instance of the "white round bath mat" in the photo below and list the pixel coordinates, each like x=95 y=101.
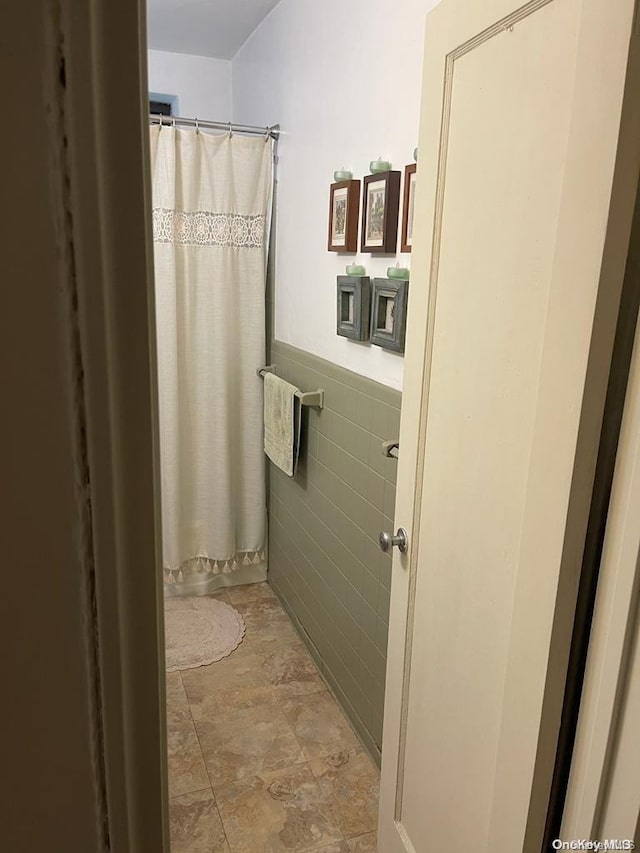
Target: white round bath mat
x=199 y=631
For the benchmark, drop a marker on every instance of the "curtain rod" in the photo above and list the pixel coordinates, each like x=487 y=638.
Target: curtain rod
x=273 y=131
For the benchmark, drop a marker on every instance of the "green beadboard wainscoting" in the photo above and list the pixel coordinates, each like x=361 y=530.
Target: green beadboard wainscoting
x=324 y=561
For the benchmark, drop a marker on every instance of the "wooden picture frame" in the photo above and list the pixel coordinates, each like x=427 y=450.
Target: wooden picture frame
x=380 y=203
x=389 y=313
x=353 y=307
x=344 y=210
x=409 y=192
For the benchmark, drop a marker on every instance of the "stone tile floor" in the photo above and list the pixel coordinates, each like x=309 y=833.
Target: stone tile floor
x=261 y=758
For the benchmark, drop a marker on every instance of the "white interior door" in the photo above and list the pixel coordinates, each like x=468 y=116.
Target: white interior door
x=527 y=174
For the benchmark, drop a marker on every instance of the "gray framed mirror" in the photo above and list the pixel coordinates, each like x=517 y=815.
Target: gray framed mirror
x=389 y=313
x=353 y=307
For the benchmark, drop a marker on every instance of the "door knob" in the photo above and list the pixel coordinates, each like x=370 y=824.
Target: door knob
x=388 y=540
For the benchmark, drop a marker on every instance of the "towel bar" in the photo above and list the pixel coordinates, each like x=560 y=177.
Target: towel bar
x=307 y=398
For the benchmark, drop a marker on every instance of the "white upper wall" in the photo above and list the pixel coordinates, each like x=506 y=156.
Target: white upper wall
x=202 y=84
x=343 y=80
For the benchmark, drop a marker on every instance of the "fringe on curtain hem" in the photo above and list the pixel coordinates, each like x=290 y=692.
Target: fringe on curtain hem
x=207 y=566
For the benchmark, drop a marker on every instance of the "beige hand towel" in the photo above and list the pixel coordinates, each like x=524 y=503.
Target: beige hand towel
x=281 y=423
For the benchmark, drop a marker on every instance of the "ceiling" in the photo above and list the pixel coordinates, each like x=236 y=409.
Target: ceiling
x=215 y=28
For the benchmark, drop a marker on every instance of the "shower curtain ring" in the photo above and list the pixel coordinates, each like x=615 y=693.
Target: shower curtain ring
x=173 y=122
x=230 y=131
x=197 y=126
x=160 y=120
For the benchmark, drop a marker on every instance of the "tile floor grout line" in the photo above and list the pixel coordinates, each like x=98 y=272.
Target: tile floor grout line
x=190 y=793
x=206 y=770
x=224 y=828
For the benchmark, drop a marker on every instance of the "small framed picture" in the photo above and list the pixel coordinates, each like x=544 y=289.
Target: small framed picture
x=354 y=307
x=389 y=313
x=381 y=198
x=406 y=239
x=344 y=203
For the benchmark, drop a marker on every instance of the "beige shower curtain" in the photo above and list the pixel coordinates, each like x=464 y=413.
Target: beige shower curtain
x=211 y=212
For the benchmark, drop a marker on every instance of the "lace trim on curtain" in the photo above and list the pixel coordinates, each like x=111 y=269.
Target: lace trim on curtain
x=207 y=566
x=205 y=228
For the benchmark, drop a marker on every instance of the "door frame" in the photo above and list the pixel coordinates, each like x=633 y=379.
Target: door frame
x=103 y=120
x=603 y=791
x=620 y=393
